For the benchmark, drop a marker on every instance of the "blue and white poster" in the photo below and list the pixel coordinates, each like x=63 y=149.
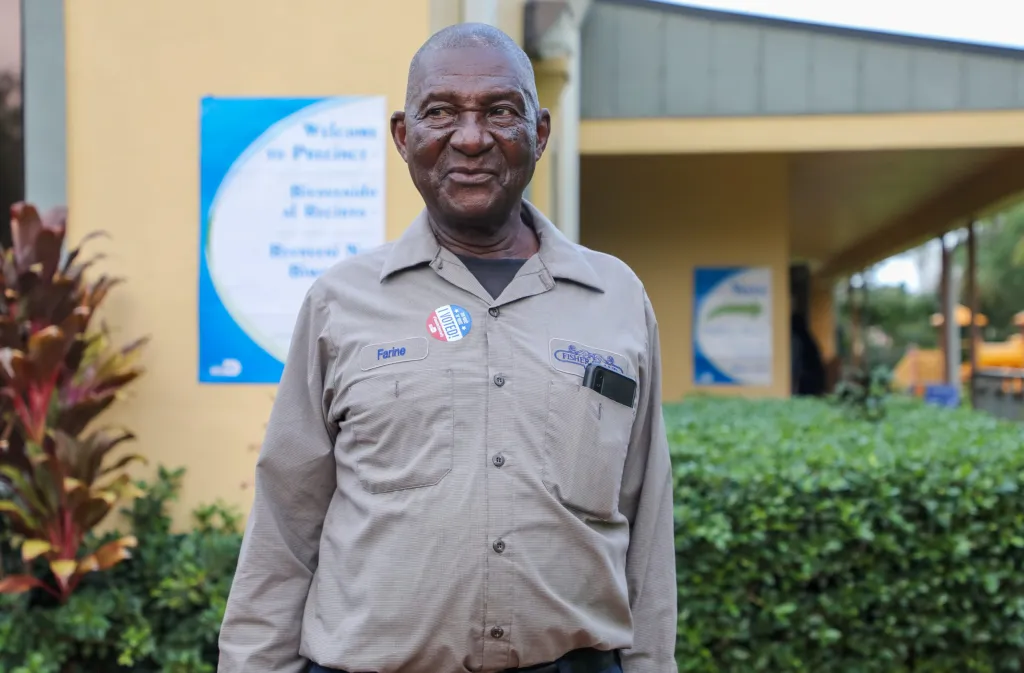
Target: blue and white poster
x=732 y=326
x=288 y=188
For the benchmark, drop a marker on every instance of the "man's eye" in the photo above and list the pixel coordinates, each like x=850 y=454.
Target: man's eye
x=437 y=112
x=503 y=111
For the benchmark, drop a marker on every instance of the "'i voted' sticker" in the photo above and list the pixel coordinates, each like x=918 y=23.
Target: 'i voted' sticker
x=449 y=323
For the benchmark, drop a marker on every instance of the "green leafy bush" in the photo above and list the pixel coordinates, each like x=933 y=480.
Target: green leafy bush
x=811 y=539
x=808 y=540
x=865 y=393
x=158 y=612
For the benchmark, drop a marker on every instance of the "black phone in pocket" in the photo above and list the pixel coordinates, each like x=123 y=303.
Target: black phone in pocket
x=611 y=384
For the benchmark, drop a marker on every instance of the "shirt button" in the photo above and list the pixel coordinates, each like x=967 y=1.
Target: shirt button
x=497 y=632
x=498 y=460
x=499 y=546
x=494 y=312
x=499 y=380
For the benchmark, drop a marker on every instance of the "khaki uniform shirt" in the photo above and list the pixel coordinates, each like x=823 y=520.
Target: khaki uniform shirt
x=438 y=493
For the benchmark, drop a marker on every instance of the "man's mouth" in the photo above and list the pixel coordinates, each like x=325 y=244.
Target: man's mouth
x=466 y=176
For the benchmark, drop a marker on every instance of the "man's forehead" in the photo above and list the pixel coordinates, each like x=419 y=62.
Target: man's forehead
x=481 y=67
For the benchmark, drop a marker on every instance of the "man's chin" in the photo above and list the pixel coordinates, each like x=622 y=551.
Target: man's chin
x=483 y=210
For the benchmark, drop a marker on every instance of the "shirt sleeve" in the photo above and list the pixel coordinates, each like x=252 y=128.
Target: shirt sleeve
x=646 y=501
x=295 y=481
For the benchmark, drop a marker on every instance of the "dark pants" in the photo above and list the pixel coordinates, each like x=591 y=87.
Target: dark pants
x=583 y=661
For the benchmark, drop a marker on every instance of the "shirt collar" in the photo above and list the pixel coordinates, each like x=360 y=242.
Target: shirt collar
x=414 y=247
x=562 y=258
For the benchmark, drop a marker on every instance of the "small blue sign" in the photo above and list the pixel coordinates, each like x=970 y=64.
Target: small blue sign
x=942 y=395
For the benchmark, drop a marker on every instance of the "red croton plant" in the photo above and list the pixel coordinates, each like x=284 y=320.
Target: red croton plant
x=57 y=374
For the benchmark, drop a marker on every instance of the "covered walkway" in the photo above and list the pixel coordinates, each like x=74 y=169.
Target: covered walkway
x=712 y=139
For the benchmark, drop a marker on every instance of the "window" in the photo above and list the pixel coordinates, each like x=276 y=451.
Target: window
x=12 y=144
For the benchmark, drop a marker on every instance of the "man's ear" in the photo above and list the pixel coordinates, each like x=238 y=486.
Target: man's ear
x=543 y=132
x=398 y=133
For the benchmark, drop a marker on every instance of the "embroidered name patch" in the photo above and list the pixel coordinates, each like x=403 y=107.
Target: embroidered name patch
x=449 y=323
x=572 y=358
x=392 y=352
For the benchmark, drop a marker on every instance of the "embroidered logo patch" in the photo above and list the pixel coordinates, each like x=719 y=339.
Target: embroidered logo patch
x=573 y=358
x=392 y=352
x=449 y=323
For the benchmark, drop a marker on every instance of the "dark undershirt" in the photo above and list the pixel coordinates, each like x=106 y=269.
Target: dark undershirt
x=493 y=274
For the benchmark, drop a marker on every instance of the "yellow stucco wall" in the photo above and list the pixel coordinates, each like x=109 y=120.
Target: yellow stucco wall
x=665 y=215
x=136 y=73
x=804 y=133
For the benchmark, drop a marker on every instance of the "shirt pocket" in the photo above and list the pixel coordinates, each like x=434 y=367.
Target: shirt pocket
x=585 y=443
x=403 y=429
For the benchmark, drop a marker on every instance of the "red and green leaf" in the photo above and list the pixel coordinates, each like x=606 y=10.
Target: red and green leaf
x=33 y=549
x=114 y=552
x=57 y=375
x=21 y=521
x=19 y=584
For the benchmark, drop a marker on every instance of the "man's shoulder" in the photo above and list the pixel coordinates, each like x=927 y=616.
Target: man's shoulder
x=619 y=278
x=355 y=272
x=610 y=268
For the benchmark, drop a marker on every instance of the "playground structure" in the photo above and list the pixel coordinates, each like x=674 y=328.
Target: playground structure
x=920 y=367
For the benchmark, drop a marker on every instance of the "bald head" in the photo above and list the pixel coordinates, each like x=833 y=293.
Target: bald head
x=473 y=36
x=472 y=130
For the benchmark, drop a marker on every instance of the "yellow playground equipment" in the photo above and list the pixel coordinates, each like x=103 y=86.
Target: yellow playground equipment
x=921 y=367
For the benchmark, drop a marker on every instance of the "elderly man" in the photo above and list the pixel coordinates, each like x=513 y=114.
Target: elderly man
x=440 y=489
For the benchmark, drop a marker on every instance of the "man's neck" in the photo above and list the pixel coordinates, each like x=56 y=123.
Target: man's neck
x=513 y=239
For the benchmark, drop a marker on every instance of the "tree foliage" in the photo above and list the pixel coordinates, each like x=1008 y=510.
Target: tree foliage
x=902 y=316
x=1001 y=271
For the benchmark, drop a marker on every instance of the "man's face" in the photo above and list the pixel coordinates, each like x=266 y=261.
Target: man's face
x=469 y=134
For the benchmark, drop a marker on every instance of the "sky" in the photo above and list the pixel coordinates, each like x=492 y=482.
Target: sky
x=993 y=22
x=899 y=270
x=990 y=22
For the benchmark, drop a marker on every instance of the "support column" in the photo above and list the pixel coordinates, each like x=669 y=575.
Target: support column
x=950 y=325
x=854 y=298
x=822 y=323
x=972 y=304
x=444 y=13
x=568 y=165
x=552 y=38
x=551 y=80
x=823 y=317
x=865 y=298
x=480 y=11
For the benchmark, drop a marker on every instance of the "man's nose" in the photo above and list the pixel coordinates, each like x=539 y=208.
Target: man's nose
x=472 y=136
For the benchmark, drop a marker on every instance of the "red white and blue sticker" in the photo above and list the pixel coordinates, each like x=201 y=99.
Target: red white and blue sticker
x=449 y=323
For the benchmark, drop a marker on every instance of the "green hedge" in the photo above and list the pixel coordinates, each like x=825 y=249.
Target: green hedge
x=809 y=540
